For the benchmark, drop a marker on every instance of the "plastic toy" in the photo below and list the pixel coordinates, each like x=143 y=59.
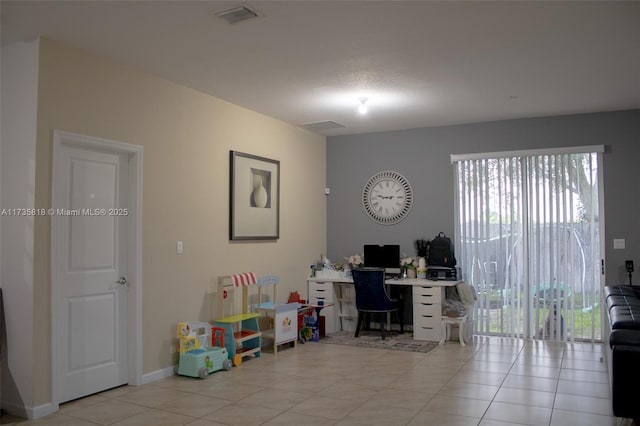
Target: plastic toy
x=200 y=354
x=311 y=330
x=304 y=311
x=242 y=332
x=281 y=317
x=306 y=331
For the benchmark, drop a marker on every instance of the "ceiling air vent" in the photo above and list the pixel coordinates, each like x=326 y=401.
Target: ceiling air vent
x=323 y=125
x=237 y=14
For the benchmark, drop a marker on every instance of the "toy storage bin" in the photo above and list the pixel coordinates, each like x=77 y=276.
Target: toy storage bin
x=279 y=320
x=284 y=327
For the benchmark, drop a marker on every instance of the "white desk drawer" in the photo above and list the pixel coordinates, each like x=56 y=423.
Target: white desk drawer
x=433 y=309
x=316 y=300
x=427 y=300
x=320 y=284
x=427 y=320
x=427 y=333
x=321 y=290
x=427 y=291
x=325 y=294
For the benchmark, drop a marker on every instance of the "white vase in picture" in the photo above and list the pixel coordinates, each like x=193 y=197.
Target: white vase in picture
x=259 y=194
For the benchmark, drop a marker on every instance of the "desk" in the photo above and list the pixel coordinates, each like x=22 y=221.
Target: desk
x=427 y=298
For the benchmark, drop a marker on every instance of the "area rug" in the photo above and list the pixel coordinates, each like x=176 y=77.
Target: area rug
x=371 y=339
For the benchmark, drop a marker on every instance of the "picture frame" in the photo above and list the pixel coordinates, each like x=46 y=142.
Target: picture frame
x=254 y=197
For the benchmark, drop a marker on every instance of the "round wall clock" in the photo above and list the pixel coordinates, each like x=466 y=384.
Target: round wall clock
x=387 y=197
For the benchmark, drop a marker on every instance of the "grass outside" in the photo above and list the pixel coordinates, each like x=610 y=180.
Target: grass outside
x=581 y=323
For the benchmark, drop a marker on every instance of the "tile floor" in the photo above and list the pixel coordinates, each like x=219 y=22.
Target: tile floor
x=494 y=381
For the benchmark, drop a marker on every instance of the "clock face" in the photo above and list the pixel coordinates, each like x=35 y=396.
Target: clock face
x=387 y=197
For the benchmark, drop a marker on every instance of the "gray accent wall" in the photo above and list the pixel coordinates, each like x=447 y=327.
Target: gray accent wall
x=423 y=157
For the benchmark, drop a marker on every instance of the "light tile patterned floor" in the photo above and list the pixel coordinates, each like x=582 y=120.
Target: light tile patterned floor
x=494 y=381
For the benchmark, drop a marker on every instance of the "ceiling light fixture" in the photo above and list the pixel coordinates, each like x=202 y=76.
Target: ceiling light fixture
x=362 y=108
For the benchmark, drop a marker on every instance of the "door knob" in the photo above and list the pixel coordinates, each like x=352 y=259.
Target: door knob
x=122 y=281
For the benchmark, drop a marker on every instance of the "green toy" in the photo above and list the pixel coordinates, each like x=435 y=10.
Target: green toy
x=199 y=355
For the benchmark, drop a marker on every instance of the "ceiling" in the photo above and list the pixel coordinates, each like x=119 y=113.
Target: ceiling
x=419 y=63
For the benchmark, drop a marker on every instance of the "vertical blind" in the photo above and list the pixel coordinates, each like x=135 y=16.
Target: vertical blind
x=528 y=240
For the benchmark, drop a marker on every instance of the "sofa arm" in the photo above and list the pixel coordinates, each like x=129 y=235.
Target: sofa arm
x=623 y=337
x=625 y=378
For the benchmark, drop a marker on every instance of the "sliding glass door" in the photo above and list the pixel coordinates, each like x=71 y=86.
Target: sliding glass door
x=528 y=240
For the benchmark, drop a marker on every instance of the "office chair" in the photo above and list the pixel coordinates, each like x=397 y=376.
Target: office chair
x=372 y=298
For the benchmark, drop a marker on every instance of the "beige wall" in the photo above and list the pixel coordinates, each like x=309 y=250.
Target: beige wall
x=186 y=137
x=19 y=84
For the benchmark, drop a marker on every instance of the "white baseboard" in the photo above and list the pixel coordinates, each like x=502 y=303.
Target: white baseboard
x=43 y=410
x=157 y=375
x=29 y=412
x=50 y=408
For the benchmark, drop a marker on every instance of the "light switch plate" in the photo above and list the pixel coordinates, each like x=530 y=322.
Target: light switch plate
x=618 y=243
x=179 y=247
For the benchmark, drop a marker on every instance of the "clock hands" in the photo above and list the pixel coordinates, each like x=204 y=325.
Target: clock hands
x=387 y=197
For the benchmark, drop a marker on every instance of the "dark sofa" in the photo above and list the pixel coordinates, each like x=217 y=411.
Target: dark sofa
x=623 y=306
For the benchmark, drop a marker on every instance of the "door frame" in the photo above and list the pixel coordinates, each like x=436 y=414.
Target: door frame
x=134 y=251
x=604 y=317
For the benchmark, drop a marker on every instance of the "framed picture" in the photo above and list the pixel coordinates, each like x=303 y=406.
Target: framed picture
x=254 y=197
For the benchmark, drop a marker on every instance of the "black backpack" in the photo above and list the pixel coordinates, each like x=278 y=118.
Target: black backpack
x=441 y=251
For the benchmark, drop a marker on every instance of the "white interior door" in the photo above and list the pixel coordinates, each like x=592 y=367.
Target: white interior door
x=91 y=197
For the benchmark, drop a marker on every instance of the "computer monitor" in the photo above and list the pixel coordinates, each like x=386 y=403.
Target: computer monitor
x=383 y=256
